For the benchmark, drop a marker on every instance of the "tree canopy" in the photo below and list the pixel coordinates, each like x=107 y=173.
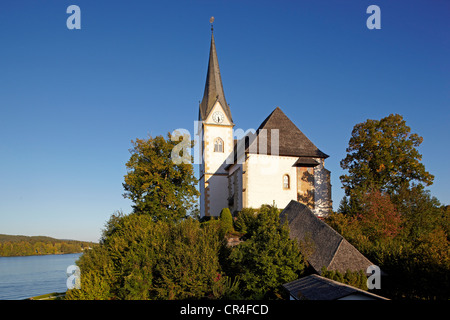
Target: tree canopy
x=156 y=184
x=267 y=259
x=139 y=258
x=389 y=216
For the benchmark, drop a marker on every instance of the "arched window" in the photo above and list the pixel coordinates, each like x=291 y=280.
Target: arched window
x=218 y=145
x=286 y=182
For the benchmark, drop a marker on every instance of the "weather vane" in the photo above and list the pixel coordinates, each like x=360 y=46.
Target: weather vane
x=211 y=20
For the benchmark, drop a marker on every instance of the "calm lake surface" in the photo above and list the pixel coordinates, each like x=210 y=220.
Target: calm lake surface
x=25 y=277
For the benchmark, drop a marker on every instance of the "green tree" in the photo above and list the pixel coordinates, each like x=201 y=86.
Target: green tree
x=267 y=259
x=244 y=219
x=226 y=220
x=156 y=185
x=422 y=213
x=139 y=258
x=382 y=155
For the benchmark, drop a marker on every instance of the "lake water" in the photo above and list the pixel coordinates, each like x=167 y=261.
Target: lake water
x=24 y=277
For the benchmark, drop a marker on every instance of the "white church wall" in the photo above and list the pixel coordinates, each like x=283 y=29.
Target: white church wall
x=215 y=196
x=215 y=161
x=217 y=190
x=265 y=180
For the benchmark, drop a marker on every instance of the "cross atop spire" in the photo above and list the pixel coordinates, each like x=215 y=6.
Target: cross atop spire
x=211 y=20
x=213 y=87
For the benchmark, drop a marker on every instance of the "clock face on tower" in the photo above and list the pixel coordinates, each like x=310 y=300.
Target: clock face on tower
x=218 y=117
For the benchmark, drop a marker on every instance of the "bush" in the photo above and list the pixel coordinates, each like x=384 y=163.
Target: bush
x=267 y=259
x=139 y=258
x=244 y=219
x=226 y=220
x=356 y=279
x=247 y=221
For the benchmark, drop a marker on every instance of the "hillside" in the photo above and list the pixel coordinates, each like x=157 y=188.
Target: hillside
x=18 y=245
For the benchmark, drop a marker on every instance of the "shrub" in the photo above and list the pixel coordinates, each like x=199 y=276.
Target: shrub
x=267 y=259
x=244 y=219
x=226 y=220
x=356 y=279
x=140 y=258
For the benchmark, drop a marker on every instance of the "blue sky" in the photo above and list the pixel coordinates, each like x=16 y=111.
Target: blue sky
x=71 y=101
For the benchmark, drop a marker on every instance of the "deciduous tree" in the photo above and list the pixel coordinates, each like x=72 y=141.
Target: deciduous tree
x=156 y=185
x=382 y=155
x=378 y=218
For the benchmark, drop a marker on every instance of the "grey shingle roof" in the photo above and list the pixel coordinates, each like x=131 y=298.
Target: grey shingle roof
x=213 y=86
x=315 y=287
x=327 y=247
x=292 y=142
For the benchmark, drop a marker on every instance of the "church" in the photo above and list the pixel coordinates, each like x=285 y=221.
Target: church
x=273 y=165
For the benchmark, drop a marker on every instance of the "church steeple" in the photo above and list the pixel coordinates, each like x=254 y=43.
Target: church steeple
x=213 y=87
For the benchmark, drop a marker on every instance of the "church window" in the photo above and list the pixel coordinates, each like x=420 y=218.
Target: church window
x=218 y=145
x=286 y=182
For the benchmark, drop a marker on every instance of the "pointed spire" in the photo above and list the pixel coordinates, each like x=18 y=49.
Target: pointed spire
x=213 y=87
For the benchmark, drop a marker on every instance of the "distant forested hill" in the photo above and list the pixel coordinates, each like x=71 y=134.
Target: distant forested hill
x=37 y=245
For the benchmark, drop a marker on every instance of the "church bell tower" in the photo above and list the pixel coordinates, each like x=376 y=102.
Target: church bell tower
x=216 y=138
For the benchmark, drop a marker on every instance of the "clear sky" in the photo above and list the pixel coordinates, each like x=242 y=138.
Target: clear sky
x=71 y=101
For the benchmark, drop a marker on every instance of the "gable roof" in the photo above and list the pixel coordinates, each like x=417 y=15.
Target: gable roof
x=329 y=248
x=213 y=86
x=292 y=142
x=315 y=287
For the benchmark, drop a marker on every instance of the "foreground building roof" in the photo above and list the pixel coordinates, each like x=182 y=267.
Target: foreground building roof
x=315 y=287
x=325 y=247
